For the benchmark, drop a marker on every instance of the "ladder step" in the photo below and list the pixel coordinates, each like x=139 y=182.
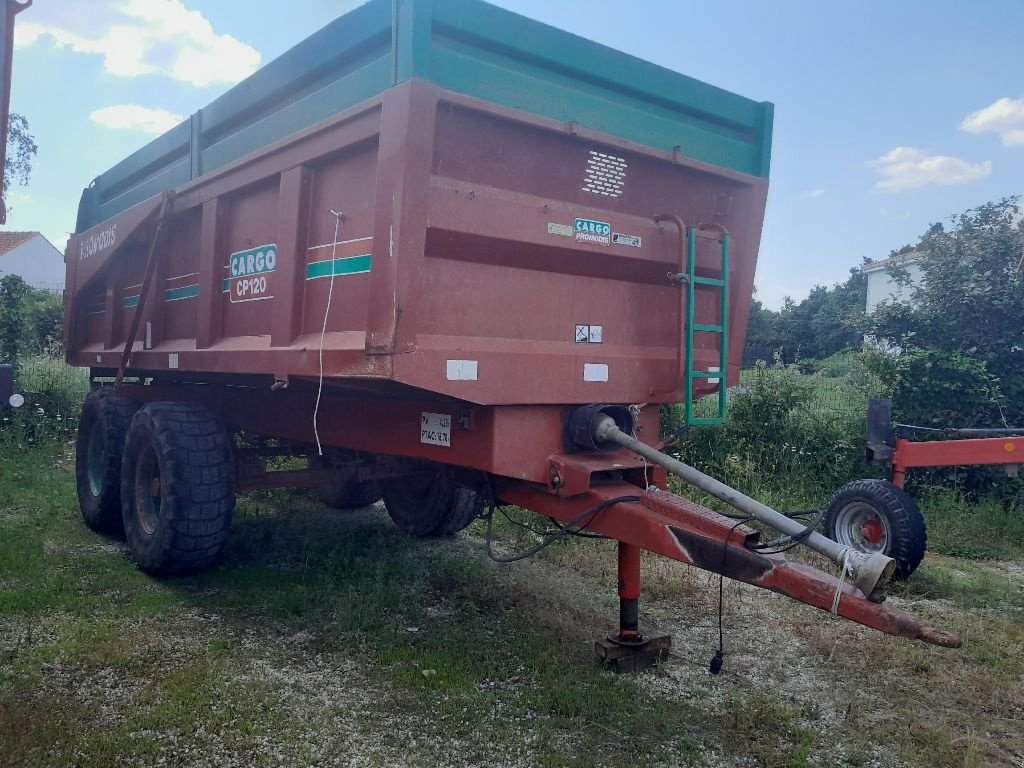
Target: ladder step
x=709 y=281
x=707 y=328
x=705 y=374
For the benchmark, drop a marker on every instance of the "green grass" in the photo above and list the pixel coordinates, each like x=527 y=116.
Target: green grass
x=358 y=588
x=329 y=637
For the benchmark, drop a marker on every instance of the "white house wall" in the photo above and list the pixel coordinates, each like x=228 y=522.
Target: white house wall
x=881 y=286
x=37 y=262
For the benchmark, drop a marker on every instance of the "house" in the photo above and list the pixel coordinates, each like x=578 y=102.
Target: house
x=33 y=258
x=882 y=286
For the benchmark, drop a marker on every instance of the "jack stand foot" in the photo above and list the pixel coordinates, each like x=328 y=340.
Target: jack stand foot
x=620 y=655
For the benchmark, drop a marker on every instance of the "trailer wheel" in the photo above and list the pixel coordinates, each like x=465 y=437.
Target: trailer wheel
x=177 y=488
x=98 y=448
x=430 y=504
x=876 y=516
x=345 y=495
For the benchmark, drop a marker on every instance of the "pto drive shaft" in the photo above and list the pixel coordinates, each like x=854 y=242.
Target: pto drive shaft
x=870 y=571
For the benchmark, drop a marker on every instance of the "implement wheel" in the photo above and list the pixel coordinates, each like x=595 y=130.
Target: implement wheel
x=98 y=448
x=876 y=516
x=177 y=488
x=430 y=504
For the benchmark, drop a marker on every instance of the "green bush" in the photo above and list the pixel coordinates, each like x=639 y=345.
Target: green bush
x=53 y=392
x=786 y=434
x=939 y=388
x=31 y=321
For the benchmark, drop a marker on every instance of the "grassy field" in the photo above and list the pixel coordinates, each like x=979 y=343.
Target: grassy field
x=332 y=639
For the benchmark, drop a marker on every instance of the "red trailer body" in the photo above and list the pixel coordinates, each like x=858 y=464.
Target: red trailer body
x=459 y=271
x=434 y=285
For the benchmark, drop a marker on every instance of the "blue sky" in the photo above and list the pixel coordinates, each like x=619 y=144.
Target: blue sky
x=889 y=115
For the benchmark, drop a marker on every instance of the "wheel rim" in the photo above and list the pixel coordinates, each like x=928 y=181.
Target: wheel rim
x=862 y=527
x=94 y=459
x=148 y=492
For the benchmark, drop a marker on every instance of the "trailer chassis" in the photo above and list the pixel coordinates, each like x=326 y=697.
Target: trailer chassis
x=606 y=490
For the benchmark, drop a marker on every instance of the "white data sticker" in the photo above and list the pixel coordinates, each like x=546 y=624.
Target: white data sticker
x=436 y=429
x=563 y=230
x=633 y=241
x=595 y=372
x=462 y=370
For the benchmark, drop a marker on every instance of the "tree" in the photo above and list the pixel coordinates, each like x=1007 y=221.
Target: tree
x=21 y=152
x=824 y=323
x=970 y=303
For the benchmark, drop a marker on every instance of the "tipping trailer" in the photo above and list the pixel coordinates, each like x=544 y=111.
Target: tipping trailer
x=456 y=258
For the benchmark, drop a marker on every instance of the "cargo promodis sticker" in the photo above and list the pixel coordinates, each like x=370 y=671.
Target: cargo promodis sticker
x=596 y=232
x=251 y=274
x=633 y=241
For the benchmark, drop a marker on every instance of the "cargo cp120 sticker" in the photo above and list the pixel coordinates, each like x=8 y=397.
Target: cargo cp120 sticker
x=251 y=274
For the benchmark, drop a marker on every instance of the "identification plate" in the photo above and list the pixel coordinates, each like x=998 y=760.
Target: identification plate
x=436 y=429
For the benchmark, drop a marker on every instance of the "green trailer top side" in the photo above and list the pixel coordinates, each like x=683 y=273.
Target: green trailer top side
x=466 y=46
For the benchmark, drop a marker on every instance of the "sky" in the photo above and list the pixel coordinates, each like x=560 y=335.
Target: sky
x=889 y=115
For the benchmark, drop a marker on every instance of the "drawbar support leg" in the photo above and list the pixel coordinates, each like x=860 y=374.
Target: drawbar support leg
x=628 y=650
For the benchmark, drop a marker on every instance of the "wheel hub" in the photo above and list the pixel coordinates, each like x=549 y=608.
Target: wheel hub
x=863 y=527
x=872 y=532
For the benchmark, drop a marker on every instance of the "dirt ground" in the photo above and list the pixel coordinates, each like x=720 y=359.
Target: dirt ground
x=331 y=639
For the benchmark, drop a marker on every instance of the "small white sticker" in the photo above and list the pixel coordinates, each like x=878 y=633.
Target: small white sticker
x=436 y=429
x=633 y=241
x=595 y=372
x=172 y=360
x=565 y=230
x=589 y=334
x=99 y=358
x=462 y=370
x=148 y=344
x=713 y=369
x=596 y=332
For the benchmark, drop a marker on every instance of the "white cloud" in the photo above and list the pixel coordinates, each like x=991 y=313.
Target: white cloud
x=143 y=37
x=904 y=168
x=812 y=193
x=885 y=213
x=1003 y=116
x=134 y=117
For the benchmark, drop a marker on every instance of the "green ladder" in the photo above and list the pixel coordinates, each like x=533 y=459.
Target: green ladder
x=692 y=327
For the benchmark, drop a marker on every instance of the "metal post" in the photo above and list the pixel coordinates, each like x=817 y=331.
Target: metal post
x=629 y=593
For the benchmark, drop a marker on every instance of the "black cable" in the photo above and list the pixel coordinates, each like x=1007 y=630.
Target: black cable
x=794 y=538
x=716 y=661
x=578 y=533
x=591 y=512
x=542 y=534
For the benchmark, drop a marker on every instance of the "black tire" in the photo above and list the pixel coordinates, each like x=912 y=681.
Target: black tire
x=880 y=505
x=346 y=495
x=98 y=448
x=177 y=488
x=430 y=504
